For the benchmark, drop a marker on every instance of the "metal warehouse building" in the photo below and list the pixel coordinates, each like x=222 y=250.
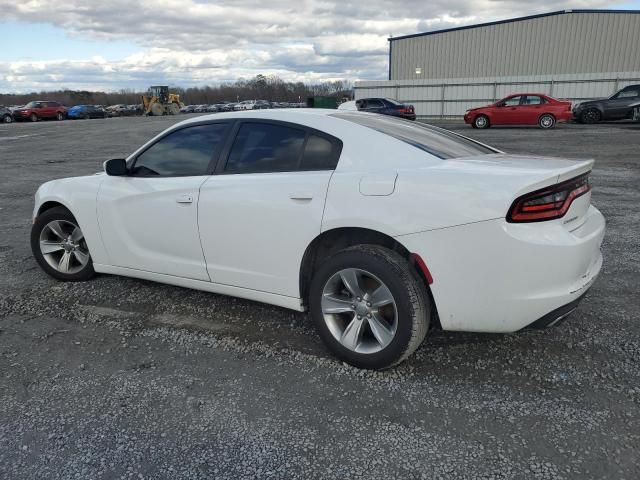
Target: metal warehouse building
x=572 y=54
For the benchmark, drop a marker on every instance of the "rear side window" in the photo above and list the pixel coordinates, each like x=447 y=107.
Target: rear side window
x=185 y=152
x=436 y=141
x=265 y=147
x=319 y=154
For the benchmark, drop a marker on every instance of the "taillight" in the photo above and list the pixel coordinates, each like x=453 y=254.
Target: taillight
x=549 y=202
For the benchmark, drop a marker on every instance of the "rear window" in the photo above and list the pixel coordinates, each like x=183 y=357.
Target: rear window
x=436 y=141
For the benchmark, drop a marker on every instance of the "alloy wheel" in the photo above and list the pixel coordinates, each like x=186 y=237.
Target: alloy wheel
x=63 y=246
x=359 y=310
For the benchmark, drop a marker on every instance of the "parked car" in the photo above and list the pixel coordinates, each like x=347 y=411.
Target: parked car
x=245 y=105
x=386 y=106
x=618 y=106
x=511 y=241
x=521 y=109
x=6 y=115
x=86 y=112
x=187 y=109
x=39 y=110
x=348 y=106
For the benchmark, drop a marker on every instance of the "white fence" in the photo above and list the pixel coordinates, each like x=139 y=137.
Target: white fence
x=450 y=98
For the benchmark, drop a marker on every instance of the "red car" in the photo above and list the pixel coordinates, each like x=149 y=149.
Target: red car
x=38 y=110
x=521 y=109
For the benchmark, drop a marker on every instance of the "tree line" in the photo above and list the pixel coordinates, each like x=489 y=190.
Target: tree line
x=260 y=87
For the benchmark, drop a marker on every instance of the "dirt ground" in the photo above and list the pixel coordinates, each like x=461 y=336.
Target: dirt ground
x=122 y=378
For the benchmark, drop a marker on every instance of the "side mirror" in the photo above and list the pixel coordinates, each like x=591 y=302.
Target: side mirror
x=116 y=167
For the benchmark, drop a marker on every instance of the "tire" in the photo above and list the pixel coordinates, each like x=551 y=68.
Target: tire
x=481 y=121
x=591 y=115
x=45 y=239
x=173 y=109
x=156 y=109
x=7 y=119
x=33 y=117
x=547 y=121
x=401 y=325
x=59 y=116
x=87 y=116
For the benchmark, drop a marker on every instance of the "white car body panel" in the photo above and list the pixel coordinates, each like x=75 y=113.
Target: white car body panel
x=151 y=224
x=255 y=227
x=245 y=234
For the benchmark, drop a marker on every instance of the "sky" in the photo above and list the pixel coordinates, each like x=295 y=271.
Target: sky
x=115 y=44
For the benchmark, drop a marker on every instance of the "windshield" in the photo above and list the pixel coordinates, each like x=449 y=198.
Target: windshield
x=436 y=141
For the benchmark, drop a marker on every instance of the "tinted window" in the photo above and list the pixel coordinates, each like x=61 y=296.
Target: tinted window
x=436 y=141
x=319 y=154
x=533 y=100
x=628 y=93
x=264 y=147
x=374 y=103
x=187 y=151
x=512 y=102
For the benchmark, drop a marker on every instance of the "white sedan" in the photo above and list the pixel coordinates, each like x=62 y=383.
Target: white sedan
x=380 y=227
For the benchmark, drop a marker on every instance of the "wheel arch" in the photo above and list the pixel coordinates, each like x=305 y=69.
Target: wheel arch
x=339 y=238
x=49 y=204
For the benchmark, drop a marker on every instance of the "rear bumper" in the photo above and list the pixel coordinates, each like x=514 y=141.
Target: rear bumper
x=556 y=316
x=495 y=276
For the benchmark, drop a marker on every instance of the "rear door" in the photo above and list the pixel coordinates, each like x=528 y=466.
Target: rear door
x=530 y=109
x=260 y=212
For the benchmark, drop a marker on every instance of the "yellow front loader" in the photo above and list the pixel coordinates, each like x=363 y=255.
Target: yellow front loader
x=159 y=101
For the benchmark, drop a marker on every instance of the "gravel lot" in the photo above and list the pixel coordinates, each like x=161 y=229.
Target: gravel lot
x=121 y=378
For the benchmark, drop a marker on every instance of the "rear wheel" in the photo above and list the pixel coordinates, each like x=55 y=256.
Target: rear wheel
x=59 y=116
x=59 y=246
x=156 y=109
x=591 y=115
x=369 y=306
x=547 y=121
x=173 y=109
x=481 y=121
x=33 y=117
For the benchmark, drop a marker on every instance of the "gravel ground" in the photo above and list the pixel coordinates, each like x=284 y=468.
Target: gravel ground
x=121 y=378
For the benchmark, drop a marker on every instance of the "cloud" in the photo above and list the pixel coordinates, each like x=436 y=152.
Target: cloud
x=194 y=42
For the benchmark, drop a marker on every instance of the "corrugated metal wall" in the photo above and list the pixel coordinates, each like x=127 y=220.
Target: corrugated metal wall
x=451 y=97
x=566 y=43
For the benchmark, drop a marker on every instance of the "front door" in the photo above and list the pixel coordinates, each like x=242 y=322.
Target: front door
x=264 y=207
x=149 y=218
x=507 y=112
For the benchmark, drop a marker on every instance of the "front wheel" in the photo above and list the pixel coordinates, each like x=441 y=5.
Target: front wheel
x=59 y=246
x=33 y=117
x=7 y=119
x=481 y=121
x=591 y=115
x=546 y=121
x=370 y=307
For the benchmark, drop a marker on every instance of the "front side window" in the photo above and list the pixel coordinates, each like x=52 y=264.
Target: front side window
x=185 y=152
x=630 y=93
x=374 y=103
x=512 y=101
x=265 y=147
x=438 y=142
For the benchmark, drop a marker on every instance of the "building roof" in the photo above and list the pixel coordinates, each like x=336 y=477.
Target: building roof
x=511 y=20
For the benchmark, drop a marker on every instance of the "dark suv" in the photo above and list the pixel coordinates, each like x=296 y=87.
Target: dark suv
x=617 y=107
x=386 y=106
x=38 y=110
x=6 y=115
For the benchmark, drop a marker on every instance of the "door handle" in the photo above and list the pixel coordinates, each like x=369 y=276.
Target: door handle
x=187 y=198
x=301 y=196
